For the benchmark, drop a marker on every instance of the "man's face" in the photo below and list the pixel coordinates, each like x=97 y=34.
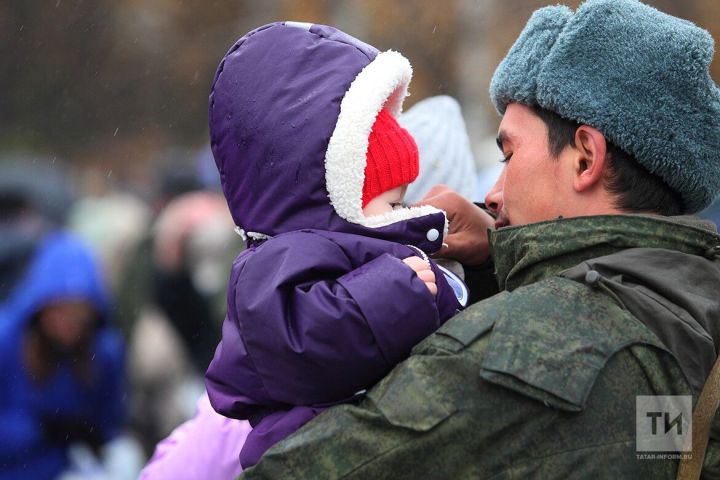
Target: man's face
x=533 y=186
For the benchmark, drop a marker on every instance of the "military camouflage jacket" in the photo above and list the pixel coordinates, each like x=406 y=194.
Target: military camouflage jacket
x=541 y=379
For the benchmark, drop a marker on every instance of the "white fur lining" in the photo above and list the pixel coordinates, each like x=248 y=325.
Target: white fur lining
x=382 y=83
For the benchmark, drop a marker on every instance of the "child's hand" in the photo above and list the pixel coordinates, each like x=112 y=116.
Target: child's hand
x=423 y=271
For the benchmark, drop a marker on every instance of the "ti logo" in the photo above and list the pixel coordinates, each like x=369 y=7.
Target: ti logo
x=663 y=423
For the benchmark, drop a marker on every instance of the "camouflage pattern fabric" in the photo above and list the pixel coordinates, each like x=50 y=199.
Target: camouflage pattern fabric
x=538 y=381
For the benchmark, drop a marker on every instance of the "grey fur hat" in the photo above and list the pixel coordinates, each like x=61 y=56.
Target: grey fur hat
x=638 y=75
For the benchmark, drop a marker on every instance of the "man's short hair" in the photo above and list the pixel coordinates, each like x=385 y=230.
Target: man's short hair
x=635 y=189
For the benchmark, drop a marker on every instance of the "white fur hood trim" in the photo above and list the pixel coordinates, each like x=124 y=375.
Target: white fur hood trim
x=382 y=83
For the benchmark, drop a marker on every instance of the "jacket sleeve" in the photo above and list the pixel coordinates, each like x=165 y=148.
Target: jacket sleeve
x=313 y=327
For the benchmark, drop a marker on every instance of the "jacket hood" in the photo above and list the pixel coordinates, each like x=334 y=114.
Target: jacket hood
x=291 y=109
x=62 y=268
x=664 y=270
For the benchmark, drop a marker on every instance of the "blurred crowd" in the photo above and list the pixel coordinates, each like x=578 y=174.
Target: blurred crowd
x=111 y=303
x=110 y=310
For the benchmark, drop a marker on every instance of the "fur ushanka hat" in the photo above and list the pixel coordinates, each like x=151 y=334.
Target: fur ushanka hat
x=638 y=75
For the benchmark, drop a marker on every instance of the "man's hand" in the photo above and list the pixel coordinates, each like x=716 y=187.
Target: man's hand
x=423 y=271
x=467 y=239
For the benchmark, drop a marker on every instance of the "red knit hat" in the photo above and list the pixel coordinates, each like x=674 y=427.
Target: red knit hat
x=392 y=157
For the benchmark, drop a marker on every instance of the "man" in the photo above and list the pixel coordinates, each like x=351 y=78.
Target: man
x=611 y=124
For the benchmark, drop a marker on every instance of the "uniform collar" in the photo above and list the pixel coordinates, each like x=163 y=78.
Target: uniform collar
x=528 y=253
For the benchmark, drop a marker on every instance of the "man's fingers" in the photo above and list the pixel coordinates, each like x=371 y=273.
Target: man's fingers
x=442 y=253
x=467 y=237
x=441 y=197
x=453 y=244
x=435 y=191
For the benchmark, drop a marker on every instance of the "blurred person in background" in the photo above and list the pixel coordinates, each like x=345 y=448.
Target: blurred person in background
x=34 y=199
x=178 y=275
x=165 y=256
x=61 y=364
x=437 y=125
x=127 y=239
x=112 y=224
x=192 y=239
x=192 y=246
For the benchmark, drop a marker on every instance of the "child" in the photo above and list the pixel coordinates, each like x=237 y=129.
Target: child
x=335 y=287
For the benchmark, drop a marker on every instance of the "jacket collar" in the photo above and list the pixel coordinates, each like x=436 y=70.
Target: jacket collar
x=528 y=253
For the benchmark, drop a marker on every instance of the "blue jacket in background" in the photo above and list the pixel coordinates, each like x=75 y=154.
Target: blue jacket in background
x=62 y=268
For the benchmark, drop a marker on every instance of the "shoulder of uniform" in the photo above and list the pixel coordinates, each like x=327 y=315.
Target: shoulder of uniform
x=548 y=340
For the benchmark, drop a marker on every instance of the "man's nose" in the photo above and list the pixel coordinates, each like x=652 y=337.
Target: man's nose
x=494 y=198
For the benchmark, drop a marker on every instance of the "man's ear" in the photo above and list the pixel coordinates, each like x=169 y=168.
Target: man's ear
x=589 y=163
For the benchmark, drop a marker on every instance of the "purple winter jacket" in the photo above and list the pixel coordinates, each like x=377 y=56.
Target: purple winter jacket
x=320 y=305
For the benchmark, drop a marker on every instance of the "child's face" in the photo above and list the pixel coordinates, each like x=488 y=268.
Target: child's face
x=385 y=202
x=67 y=324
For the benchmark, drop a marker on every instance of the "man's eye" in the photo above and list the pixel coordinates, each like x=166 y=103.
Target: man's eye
x=506 y=158
x=397 y=205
